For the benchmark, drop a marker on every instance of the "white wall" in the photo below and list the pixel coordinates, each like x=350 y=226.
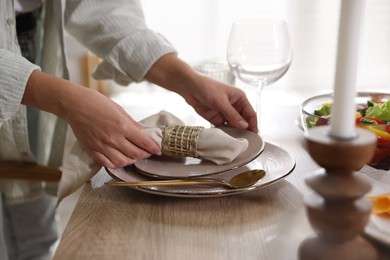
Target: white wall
x=199 y=30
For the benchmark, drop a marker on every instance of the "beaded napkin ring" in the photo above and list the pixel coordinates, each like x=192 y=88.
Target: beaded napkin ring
x=180 y=140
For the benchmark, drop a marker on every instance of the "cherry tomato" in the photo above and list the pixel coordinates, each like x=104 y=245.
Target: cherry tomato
x=322 y=121
x=383 y=143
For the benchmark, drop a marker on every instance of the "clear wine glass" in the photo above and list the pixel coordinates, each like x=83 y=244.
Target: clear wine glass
x=259 y=53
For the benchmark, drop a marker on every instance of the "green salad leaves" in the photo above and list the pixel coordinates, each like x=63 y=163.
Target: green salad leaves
x=324 y=110
x=379 y=111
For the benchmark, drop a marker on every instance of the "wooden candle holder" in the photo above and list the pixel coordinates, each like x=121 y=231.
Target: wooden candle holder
x=339 y=211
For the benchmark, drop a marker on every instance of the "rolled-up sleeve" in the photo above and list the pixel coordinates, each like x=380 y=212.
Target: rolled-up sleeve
x=116 y=31
x=14 y=73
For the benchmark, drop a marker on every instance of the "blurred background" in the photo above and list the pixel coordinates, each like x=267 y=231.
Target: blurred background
x=199 y=29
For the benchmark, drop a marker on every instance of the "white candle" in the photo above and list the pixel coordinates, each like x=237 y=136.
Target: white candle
x=342 y=124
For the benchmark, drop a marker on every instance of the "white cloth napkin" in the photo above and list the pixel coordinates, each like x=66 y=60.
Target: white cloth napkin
x=213 y=145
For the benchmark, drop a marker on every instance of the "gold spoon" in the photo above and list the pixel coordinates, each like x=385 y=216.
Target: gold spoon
x=241 y=180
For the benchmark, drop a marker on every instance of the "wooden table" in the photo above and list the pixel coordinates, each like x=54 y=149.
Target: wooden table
x=269 y=223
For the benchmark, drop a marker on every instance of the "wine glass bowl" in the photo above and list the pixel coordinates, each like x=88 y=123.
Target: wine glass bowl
x=259 y=53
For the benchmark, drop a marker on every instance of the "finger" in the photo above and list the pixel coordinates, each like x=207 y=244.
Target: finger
x=250 y=116
x=211 y=115
x=114 y=158
x=208 y=112
x=234 y=118
x=102 y=159
x=135 y=123
x=131 y=150
x=141 y=140
x=131 y=131
x=217 y=120
x=239 y=111
x=122 y=152
x=253 y=125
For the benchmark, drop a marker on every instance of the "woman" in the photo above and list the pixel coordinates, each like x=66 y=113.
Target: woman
x=116 y=31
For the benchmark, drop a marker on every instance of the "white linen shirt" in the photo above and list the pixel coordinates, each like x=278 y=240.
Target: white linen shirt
x=115 y=30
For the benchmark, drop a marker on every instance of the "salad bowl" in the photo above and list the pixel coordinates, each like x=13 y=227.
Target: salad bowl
x=372 y=113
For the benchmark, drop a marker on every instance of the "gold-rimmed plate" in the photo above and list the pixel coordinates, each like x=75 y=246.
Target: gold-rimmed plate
x=277 y=163
x=186 y=167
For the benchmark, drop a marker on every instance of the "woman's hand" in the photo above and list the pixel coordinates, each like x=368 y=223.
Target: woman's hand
x=107 y=132
x=102 y=127
x=221 y=104
x=217 y=102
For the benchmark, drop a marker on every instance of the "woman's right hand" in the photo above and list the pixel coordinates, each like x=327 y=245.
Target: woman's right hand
x=103 y=128
x=107 y=132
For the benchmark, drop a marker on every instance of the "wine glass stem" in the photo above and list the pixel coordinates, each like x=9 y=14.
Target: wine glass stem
x=260 y=86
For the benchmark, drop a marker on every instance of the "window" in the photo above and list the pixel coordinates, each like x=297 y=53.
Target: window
x=199 y=29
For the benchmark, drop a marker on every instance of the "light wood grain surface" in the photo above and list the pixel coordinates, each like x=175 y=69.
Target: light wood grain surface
x=269 y=223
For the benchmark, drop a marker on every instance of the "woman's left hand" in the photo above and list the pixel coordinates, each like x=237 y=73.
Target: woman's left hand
x=221 y=104
x=215 y=101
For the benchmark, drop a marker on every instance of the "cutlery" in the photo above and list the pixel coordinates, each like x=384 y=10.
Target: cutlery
x=241 y=180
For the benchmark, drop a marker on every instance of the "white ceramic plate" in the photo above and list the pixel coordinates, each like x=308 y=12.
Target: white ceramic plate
x=185 y=167
x=378 y=228
x=277 y=163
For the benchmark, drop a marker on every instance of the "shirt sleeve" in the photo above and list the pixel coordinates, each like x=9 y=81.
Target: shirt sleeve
x=14 y=73
x=115 y=30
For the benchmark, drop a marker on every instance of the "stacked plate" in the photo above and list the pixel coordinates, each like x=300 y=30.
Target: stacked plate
x=276 y=162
